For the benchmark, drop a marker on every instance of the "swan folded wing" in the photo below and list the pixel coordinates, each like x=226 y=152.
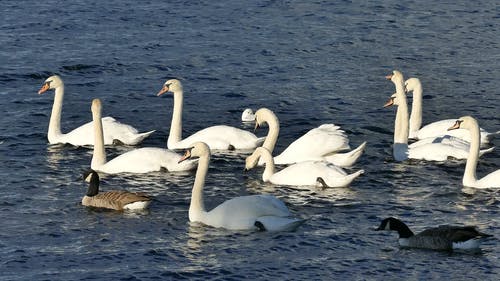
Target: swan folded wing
x=147 y=159
x=273 y=223
x=437 y=152
x=112 y=129
x=318 y=142
x=242 y=212
x=440 y=128
x=491 y=180
x=306 y=173
x=221 y=137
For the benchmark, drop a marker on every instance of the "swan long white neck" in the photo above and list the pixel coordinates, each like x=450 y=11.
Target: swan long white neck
x=274 y=129
x=269 y=169
x=55 y=117
x=416 y=108
x=471 y=164
x=401 y=123
x=197 y=206
x=175 y=134
x=99 y=153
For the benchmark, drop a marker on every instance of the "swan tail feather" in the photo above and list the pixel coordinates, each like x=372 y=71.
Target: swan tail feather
x=346 y=159
x=140 y=137
x=483 y=151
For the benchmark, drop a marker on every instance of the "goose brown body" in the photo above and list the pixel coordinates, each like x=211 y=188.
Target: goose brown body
x=115 y=199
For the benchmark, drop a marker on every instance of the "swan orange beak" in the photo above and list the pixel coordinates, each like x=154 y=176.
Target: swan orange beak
x=389 y=102
x=162 y=91
x=455 y=126
x=186 y=156
x=388 y=77
x=45 y=87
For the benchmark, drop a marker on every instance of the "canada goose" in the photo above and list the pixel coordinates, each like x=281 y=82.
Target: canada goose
x=444 y=237
x=116 y=199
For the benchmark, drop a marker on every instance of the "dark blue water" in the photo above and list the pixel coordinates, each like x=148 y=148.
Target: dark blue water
x=310 y=62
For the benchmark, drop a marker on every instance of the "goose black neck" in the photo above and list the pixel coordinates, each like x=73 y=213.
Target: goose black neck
x=402 y=229
x=93 y=189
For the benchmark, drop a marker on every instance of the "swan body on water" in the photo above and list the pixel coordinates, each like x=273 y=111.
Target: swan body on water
x=323 y=143
x=114 y=131
x=252 y=212
x=140 y=160
x=307 y=173
x=219 y=137
x=492 y=180
x=434 y=129
x=424 y=150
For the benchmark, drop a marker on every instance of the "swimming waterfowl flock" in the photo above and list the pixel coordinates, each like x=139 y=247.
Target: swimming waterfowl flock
x=315 y=160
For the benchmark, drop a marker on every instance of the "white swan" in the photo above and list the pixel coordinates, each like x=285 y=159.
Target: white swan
x=219 y=137
x=140 y=160
x=247 y=115
x=308 y=173
x=426 y=150
x=435 y=129
x=114 y=131
x=323 y=143
x=470 y=179
x=264 y=212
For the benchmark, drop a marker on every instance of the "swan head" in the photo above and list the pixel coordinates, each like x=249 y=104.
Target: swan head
x=396 y=76
x=464 y=122
x=198 y=149
x=261 y=116
x=96 y=105
x=171 y=85
x=51 y=83
x=252 y=160
x=411 y=84
x=248 y=115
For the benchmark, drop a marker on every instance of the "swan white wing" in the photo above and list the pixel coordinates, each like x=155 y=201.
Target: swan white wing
x=492 y=180
x=437 y=152
x=113 y=130
x=242 y=212
x=446 y=139
x=306 y=173
x=144 y=160
x=221 y=137
x=440 y=128
x=318 y=142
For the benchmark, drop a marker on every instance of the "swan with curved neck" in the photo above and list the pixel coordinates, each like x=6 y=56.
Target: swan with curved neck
x=264 y=212
x=435 y=129
x=305 y=173
x=114 y=131
x=140 y=160
x=219 y=137
x=470 y=179
x=421 y=149
x=323 y=143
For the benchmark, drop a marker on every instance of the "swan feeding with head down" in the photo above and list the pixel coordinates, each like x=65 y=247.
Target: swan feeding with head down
x=424 y=150
x=307 y=173
x=434 y=129
x=140 y=160
x=114 y=131
x=252 y=212
x=323 y=143
x=220 y=137
x=470 y=179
